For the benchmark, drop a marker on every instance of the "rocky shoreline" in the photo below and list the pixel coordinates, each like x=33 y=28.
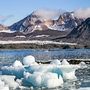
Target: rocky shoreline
x=44 y=46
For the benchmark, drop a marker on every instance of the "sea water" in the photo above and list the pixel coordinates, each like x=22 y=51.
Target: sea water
x=7 y=57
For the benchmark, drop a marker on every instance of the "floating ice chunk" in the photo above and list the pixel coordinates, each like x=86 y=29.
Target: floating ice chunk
x=16 y=71
x=9 y=81
x=17 y=63
x=1 y=83
x=64 y=62
x=82 y=65
x=28 y=60
x=34 y=63
x=68 y=71
x=39 y=68
x=23 y=82
x=56 y=62
x=48 y=79
x=33 y=74
x=82 y=88
x=4 y=88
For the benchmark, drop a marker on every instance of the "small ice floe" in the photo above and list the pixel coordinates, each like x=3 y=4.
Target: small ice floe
x=7 y=81
x=29 y=60
x=13 y=70
x=4 y=88
x=17 y=63
x=82 y=65
x=56 y=62
x=64 y=62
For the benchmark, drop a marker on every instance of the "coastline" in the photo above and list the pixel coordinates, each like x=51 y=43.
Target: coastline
x=43 y=46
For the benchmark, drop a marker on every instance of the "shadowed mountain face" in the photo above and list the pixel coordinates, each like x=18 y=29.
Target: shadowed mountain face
x=82 y=31
x=81 y=34
x=46 y=34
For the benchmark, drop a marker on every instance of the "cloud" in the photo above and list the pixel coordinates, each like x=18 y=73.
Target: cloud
x=4 y=18
x=48 y=14
x=82 y=13
x=1 y=17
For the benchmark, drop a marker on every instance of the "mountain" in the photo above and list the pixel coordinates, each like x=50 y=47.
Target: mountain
x=29 y=24
x=66 y=21
x=46 y=34
x=81 y=34
x=82 y=31
x=2 y=27
x=34 y=27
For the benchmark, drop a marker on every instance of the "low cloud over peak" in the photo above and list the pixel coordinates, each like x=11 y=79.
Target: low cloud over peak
x=47 y=14
x=82 y=13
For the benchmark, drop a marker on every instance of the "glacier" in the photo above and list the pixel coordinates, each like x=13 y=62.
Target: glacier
x=36 y=42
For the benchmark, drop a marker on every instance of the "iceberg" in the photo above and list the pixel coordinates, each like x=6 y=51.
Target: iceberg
x=7 y=81
x=57 y=62
x=17 y=63
x=82 y=65
x=13 y=70
x=64 y=62
x=28 y=60
x=44 y=79
x=30 y=73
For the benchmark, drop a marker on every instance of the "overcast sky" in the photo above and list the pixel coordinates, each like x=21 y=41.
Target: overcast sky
x=12 y=11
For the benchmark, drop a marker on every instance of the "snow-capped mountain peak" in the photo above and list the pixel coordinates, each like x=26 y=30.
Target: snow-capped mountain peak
x=33 y=22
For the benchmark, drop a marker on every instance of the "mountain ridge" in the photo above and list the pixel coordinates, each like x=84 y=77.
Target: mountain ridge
x=33 y=22
x=79 y=35
x=82 y=32
x=34 y=27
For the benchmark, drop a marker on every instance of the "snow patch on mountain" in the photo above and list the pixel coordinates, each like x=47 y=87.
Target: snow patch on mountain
x=42 y=36
x=7 y=31
x=61 y=27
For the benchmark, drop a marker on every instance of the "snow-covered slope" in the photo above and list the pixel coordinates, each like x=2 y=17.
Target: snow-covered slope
x=61 y=27
x=7 y=31
x=35 y=42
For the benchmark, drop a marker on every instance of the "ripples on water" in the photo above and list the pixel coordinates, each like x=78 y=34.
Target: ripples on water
x=9 y=56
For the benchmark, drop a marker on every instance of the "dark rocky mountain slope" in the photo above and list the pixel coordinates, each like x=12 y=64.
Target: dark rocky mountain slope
x=81 y=34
